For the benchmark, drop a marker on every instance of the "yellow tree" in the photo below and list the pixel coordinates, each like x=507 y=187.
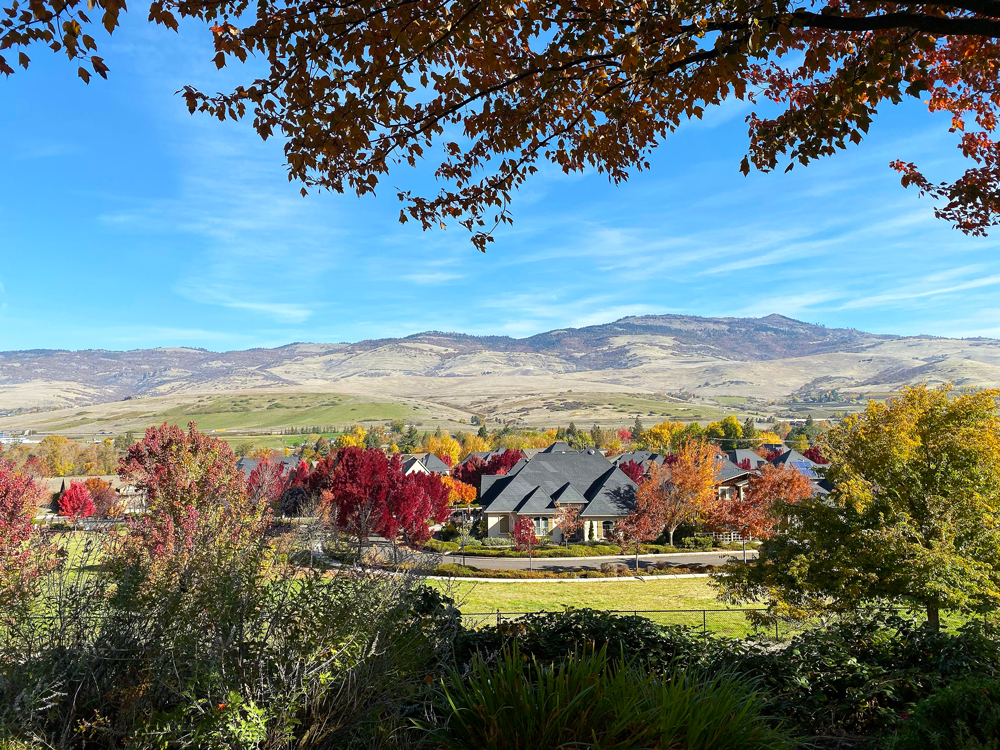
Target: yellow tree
x=914 y=515
x=444 y=447
x=354 y=438
x=660 y=438
x=683 y=488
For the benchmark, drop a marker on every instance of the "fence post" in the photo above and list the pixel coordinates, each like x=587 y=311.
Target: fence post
x=704 y=621
x=776 y=636
x=498 y=619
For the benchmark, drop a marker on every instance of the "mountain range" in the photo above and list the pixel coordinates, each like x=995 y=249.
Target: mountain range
x=770 y=358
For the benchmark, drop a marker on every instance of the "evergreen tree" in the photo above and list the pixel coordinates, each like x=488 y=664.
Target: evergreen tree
x=571 y=430
x=597 y=435
x=437 y=432
x=483 y=432
x=637 y=430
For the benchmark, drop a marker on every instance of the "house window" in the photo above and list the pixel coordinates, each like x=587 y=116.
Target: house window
x=541 y=526
x=607 y=529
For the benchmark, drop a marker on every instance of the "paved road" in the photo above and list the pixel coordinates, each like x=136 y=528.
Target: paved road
x=565 y=564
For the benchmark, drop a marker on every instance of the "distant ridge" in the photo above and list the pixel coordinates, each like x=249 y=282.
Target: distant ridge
x=767 y=357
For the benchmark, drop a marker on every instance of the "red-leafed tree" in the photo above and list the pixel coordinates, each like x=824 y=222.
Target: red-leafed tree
x=446 y=457
x=34 y=467
x=815 y=455
x=267 y=482
x=567 y=519
x=502 y=463
x=751 y=515
x=473 y=470
x=419 y=501
x=522 y=532
x=106 y=503
x=470 y=471
x=644 y=523
x=200 y=516
x=301 y=475
x=625 y=436
x=22 y=560
x=768 y=455
x=76 y=503
x=361 y=488
x=745 y=464
x=177 y=469
x=633 y=470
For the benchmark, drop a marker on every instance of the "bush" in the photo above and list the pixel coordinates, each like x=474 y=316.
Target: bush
x=489 y=541
x=698 y=542
x=962 y=716
x=436 y=545
x=449 y=531
x=858 y=675
x=584 y=701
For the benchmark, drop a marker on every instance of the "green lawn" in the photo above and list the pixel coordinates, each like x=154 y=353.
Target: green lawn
x=691 y=595
x=686 y=593
x=281 y=410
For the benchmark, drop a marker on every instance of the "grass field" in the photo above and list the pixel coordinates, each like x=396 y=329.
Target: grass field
x=274 y=410
x=694 y=597
x=686 y=593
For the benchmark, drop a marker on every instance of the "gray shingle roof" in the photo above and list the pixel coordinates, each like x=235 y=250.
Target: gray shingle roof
x=534 y=486
x=558 y=447
x=742 y=454
x=435 y=464
x=790 y=456
x=640 y=457
x=726 y=470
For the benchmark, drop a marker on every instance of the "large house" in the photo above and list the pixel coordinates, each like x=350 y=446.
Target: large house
x=428 y=463
x=586 y=480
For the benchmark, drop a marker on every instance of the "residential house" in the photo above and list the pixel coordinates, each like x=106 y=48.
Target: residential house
x=426 y=463
x=743 y=454
x=643 y=458
x=248 y=464
x=587 y=480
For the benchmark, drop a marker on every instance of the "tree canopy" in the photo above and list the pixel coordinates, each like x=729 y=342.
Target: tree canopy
x=914 y=516
x=493 y=89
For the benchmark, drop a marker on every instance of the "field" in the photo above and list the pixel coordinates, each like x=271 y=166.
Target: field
x=246 y=411
x=686 y=593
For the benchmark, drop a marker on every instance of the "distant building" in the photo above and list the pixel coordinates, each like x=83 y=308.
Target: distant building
x=587 y=480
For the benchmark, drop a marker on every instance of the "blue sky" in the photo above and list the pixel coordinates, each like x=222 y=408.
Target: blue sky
x=125 y=222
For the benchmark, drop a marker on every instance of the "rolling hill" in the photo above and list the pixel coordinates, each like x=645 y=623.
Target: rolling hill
x=670 y=358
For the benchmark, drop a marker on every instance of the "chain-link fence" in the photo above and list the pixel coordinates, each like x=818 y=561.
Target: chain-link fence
x=733 y=623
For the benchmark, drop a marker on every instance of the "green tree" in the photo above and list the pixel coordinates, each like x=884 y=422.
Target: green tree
x=597 y=435
x=483 y=432
x=727 y=433
x=914 y=516
x=571 y=430
x=410 y=441
x=751 y=437
x=637 y=430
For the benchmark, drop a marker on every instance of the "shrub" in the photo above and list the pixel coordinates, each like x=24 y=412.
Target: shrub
x=449 y=531
x=857 y=675
x=436 y=545
x=962 y=716
x=495 y=542
x=583 y=701
x=698 y=542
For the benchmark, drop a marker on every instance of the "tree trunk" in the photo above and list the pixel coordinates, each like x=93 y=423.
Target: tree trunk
x=671 y=537
x=744 y=547
x=933 y=617
x=637 y=558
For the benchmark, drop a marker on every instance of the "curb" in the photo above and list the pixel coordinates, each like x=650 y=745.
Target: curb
x=623 y=579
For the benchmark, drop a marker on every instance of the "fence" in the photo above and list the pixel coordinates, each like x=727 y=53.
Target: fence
x=732 y=623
